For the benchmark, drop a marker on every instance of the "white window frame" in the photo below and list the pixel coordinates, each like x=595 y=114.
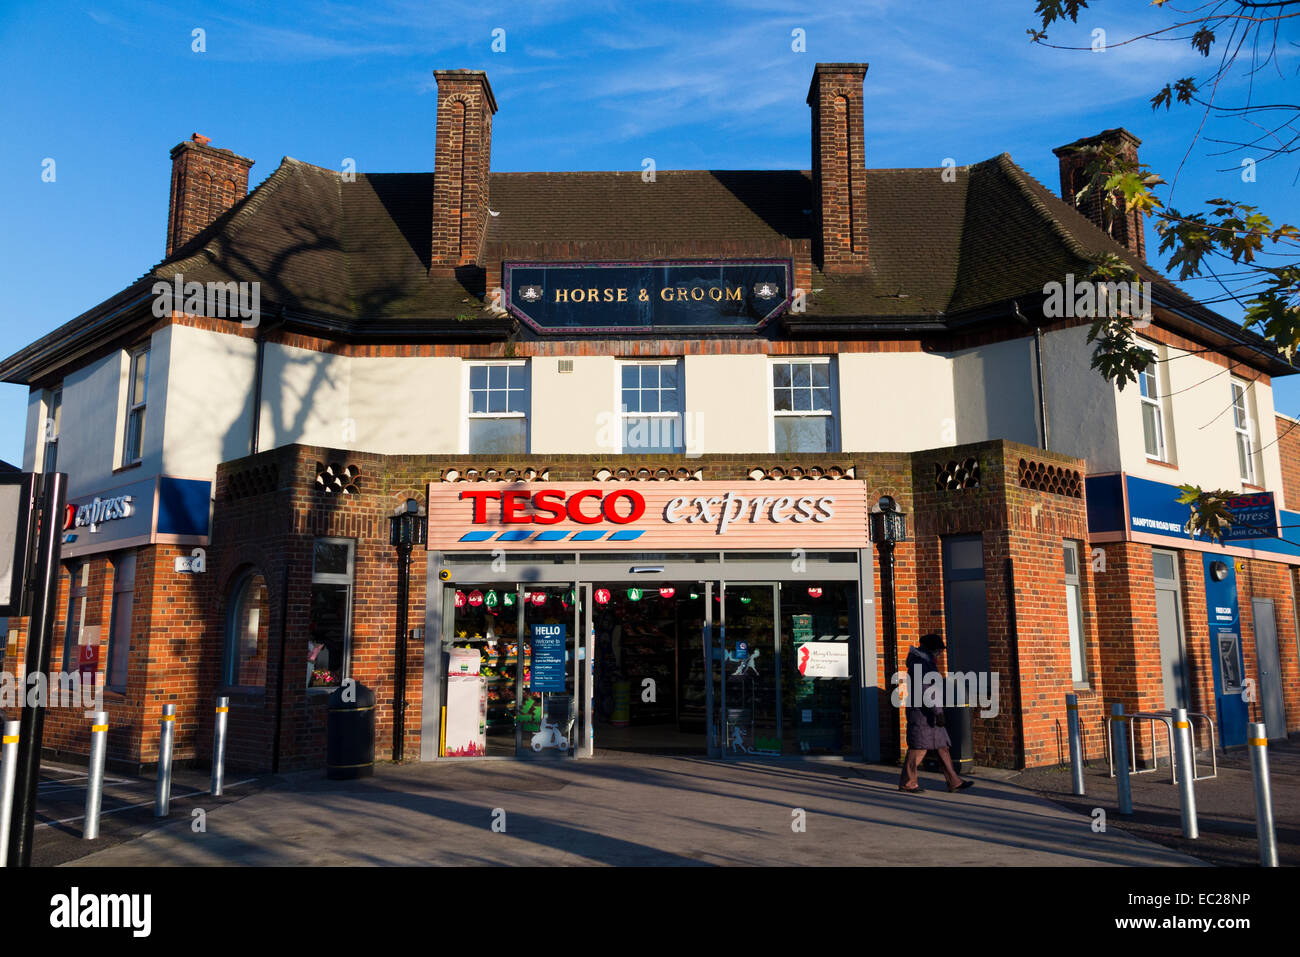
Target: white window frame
x=622 y=414
x=1074 y=611
x=1151 y=374
x=51 y=422
x=466 y=367
x=832 y=379
x=1244 y=434
x=135 y=404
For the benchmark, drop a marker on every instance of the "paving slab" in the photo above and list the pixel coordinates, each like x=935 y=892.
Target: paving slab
x=639 y=810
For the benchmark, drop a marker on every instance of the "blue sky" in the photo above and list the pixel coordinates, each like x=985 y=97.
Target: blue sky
x=105 y=90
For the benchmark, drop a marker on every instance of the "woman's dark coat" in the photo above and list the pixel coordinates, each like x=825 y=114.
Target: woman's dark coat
x=924 y=733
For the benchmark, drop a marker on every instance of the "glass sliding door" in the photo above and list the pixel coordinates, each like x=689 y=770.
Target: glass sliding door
x=547 y=702
x=583 y=671
x=819 y=663
x=480 y=664
x=747 y=673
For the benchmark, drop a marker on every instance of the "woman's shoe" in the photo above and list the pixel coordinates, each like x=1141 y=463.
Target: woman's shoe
x=963 y=786
x=916 y=790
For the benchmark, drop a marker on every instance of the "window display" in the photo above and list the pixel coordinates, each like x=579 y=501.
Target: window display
x=329 y=627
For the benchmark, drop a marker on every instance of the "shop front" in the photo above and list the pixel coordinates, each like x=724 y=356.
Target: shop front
x=1216 y=607
x=673 y=617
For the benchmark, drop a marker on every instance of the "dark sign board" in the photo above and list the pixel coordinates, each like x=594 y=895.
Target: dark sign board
x=647 y=297
x=548 y=657
x=16 y=492
x=1154 y=509
x=1253 y=516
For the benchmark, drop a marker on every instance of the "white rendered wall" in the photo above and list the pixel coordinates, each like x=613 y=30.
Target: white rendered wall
x=305 y=398
x=995 y=393
x=404 y=405
x=575 y=412
x=204 y=397
x=896 y=402
x=728 y=400
x=1081 y=405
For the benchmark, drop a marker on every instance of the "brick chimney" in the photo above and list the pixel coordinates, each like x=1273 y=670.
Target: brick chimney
x=461 y=161
x=1127 y=226
x=205 y=183
x=839 y=167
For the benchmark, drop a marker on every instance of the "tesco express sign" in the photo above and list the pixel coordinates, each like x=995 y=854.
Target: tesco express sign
x=624 y=506
x=94 y=513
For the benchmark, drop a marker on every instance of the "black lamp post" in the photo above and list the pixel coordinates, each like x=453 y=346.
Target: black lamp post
x=888 y=526
x=406 y=529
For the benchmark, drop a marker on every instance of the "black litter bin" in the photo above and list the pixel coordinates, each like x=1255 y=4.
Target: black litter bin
x=350 y=734
x=959 y=722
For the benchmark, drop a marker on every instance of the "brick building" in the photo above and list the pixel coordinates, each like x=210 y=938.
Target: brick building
x=648 y=418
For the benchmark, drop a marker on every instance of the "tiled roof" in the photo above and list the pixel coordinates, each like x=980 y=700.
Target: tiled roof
x=353 y=256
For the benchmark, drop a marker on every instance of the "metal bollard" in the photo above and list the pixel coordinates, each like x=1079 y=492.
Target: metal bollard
x=1076 y=746
x=163 y=795
x=8 y=775
x=219 y=747
x=1119 y=729
x=95 y=774
x=1257 y=741
x=1186 y=791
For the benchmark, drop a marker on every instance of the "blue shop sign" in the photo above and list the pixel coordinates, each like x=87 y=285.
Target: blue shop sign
x=1154 y=508
x=647 y=297
x=548 y=642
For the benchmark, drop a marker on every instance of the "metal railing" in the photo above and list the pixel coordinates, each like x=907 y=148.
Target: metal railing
x=1167 y=719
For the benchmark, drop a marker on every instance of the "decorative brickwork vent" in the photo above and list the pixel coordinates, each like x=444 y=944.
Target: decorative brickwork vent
x=1051 y=478
x=496 y=475
x=952 y=476
x=814 y=472
x=648 y=475
x=254 y=481
x=335 y=479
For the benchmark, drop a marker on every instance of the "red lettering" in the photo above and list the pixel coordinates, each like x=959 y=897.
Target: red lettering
x=637 y=510
x=480 y=499
x=549 y=507
x=575 y=514
x=512 y=507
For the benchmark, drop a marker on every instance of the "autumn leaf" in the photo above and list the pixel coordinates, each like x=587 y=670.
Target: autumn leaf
x=1209 y=511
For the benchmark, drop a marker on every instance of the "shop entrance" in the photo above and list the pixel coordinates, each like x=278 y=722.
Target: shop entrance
x=539 y=660
x=783 y=666
x=649 y=668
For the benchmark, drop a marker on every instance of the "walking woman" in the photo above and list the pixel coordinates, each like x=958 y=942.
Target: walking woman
x=925 y=725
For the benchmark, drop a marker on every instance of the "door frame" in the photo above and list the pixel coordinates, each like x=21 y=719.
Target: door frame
x=721 y=660
x=1275 y=665
x=1177 y=590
